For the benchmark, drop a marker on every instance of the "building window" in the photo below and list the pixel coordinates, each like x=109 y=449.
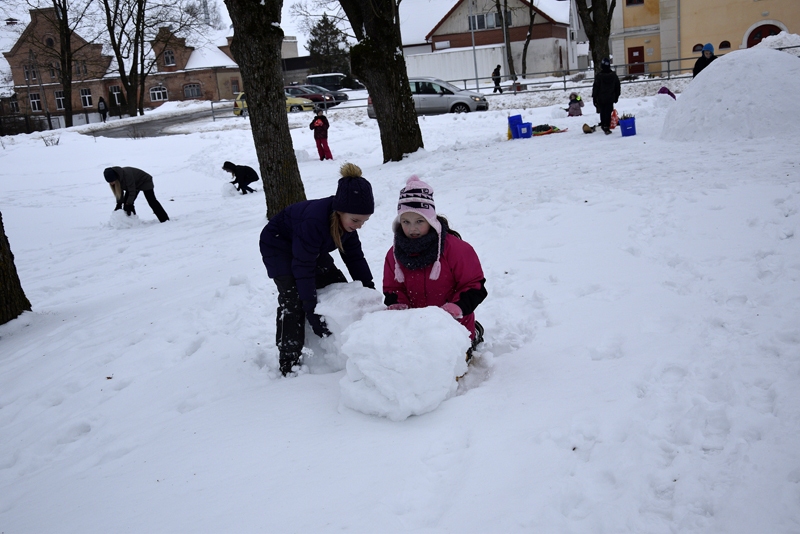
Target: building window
x=158 y=93
x=59 y=100
x=86 y=98
x=488 y=20
x=116 y=95
x=53 y=67
x=169 y=58
x=724 y=45
x=192 y=90
x=14 y=106
x=36 y=102
x=633 y=2
x=49 y=42
x=697 y=48
x=234 y=86
x=30 y=72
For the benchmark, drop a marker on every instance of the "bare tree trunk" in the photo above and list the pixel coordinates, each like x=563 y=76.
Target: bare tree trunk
x=12 y=298
x=531 y=18
x=377 y=62
x=502 y=9
x=597 y=23
x=256 y=46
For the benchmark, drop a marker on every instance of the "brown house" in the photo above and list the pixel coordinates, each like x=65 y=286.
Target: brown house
x=181 y=72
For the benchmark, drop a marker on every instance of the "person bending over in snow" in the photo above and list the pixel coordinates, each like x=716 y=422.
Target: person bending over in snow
x=430 y=265
x=126 y=182
x=243 y=176
x=295 y=247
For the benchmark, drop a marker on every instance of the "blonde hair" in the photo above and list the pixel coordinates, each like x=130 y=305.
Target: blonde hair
x=116 y=188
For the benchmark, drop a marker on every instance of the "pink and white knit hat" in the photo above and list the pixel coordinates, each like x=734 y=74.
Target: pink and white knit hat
x=417 y=197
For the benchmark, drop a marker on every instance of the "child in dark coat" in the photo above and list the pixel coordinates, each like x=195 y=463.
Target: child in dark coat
x=126 y=182
x=430 y=265
x=320 y=126
x=295 y=247
x=243 y=176
x=605 y=93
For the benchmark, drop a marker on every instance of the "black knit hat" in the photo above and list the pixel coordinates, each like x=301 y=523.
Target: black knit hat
x=110 y=175
x=354 y=193
x=228 y=166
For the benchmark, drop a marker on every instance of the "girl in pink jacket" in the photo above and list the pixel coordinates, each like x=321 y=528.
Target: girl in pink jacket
x=430 y=265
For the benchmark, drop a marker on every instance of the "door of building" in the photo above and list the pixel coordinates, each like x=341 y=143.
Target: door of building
x=636 y=60
x=760 y=33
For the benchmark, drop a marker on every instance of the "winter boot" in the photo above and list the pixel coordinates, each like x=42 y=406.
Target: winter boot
x=588 y=129
x=289 y=360
x=607 y=131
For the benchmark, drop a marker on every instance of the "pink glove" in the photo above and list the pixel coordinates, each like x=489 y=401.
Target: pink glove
x=398 y=306
x=453 y=310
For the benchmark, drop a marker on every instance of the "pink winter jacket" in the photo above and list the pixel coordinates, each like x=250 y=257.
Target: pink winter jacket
x=460 y=282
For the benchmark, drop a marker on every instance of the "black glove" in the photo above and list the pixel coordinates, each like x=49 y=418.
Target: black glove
x=369 y=284
x=129 y=210
x=318 y=325
x=119 y=206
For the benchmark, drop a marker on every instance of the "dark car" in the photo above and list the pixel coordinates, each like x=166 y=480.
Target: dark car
x=338 y=96
x=321 y=100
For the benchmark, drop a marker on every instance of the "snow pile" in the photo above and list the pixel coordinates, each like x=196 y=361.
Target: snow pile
x=782 y=40
x=341 y=305
x=402 y=363
x=745 y=94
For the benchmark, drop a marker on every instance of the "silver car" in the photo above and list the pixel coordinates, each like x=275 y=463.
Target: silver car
x=433 y=96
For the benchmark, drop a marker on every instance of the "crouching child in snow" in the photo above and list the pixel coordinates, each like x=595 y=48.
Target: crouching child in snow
x=575 y=105
x=430 y=265
x=295 y=247
x=126 y=182
x=243 y=176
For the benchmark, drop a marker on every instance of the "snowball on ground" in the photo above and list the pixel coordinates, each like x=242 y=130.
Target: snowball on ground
x=716 y=104
x=402 y=363
x=340 y=305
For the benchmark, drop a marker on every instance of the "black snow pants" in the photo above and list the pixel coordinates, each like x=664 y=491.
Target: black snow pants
x=290 y=321
x=155 y=205
x=605 y=111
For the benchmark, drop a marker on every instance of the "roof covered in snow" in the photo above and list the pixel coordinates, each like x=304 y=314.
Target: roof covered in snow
x=419 y=17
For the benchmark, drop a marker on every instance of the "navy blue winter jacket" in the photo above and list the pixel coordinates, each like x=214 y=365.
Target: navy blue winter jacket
x=298 y=239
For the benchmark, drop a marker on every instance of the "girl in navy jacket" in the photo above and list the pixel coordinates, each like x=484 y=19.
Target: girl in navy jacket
x=295 y=247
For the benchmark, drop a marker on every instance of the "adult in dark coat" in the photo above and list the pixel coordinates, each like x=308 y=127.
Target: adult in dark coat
x=320 y=126
x=496 y=79
x=705 y=59
x=243 y=176
x=126 y=182
x=295 y=247
x=605 y=93
x=102 y=108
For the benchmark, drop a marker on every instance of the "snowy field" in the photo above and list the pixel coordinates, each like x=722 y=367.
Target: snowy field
x=641 y=370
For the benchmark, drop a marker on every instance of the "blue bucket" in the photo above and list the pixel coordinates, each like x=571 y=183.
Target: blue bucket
x=628 y=127
x=513 y=122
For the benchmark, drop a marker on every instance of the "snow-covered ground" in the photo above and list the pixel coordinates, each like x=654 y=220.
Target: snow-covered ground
x=641 y=371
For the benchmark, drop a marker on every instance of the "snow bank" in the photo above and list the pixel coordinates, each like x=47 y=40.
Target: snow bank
x=745 y=94
x=782 y=40
x=402 y=363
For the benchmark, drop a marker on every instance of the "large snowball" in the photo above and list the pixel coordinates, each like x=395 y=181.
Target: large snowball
x=341 y=305
x=745 y=94
x=402 y=363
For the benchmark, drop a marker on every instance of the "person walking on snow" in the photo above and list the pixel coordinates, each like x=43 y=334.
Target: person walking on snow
x=126 y=182
x=102 y=108
x=243 y=176
x=295 y=248
x=605 y=93
x=430 y=264
x=706 y=58
x=496 y=79
x=320 y=126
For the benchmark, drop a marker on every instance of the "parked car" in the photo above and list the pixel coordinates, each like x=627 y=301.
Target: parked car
x=333 y=81
x=292 y=104
x=321 y=98
x=338 y=96
x=433 y=96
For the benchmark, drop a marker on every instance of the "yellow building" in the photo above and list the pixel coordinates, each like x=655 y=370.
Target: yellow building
x=660 y=36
